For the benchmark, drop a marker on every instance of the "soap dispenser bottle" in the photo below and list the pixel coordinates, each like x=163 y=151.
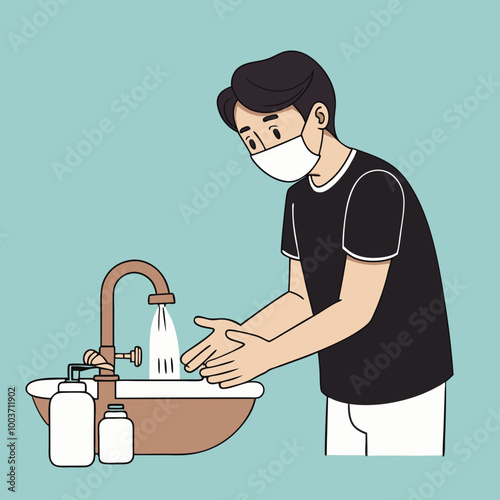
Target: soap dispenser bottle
x=116 y=436
x=71 y=422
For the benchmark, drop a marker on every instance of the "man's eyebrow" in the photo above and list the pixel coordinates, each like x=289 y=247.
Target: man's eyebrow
x=244 y=129
x=270 y=117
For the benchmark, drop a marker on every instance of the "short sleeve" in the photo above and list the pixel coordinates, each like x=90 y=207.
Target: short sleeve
x=373 y=221
x=289 y=246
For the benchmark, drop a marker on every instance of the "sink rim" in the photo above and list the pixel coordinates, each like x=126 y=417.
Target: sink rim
x=130 y=389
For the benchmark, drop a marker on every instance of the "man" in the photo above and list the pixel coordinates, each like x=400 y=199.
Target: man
x=363 y=272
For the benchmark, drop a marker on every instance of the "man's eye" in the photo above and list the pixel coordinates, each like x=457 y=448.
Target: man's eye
x=276 y=133
x=252 y=144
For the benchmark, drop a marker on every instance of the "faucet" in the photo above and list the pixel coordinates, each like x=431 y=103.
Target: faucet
x=162 y=295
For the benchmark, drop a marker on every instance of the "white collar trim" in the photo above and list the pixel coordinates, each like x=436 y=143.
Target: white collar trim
x=336 y=177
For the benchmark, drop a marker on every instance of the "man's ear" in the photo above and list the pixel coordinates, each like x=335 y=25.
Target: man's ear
x=319 y=115
x=315 y=125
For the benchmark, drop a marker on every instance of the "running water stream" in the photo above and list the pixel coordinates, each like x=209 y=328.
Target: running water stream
x=163 y=347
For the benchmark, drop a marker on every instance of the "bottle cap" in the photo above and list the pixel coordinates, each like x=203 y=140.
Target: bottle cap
x=71 y=386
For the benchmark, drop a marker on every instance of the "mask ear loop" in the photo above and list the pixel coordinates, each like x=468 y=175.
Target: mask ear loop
x=320 y=144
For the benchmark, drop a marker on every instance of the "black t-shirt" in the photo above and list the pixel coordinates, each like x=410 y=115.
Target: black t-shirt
x=370 y=212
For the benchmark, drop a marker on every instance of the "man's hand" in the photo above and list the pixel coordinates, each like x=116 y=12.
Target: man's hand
x=253 y=358
x=215 y=345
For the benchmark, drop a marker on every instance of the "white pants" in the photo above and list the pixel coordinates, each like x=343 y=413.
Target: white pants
x=413 y=426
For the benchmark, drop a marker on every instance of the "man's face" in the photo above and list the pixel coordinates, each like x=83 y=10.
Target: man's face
x=261 y=131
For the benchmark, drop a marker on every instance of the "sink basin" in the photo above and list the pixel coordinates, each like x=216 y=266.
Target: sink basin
x=171 y=417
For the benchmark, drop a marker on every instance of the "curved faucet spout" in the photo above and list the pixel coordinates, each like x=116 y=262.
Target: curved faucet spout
x=162 y=296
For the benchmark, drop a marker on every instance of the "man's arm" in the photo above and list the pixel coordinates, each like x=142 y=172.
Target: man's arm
x=286 y=311
x=362 y=286
x=280 y=315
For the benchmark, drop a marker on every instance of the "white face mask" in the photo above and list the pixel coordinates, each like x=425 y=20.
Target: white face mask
x=288 y=162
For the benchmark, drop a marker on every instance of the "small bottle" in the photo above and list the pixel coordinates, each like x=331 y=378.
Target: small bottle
x=71 y=423
x=116 y=436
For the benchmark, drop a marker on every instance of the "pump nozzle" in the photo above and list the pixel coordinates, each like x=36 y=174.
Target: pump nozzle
x=77 y=368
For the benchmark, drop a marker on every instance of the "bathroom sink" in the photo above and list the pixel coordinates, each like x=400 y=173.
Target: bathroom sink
x=171 y=417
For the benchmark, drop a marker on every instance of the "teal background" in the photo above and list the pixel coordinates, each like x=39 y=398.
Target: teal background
x=59 y=239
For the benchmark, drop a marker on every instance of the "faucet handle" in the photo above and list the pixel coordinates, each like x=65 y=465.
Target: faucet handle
x=135 y=356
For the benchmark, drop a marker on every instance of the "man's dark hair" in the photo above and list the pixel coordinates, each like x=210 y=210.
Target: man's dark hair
x=276 y=83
